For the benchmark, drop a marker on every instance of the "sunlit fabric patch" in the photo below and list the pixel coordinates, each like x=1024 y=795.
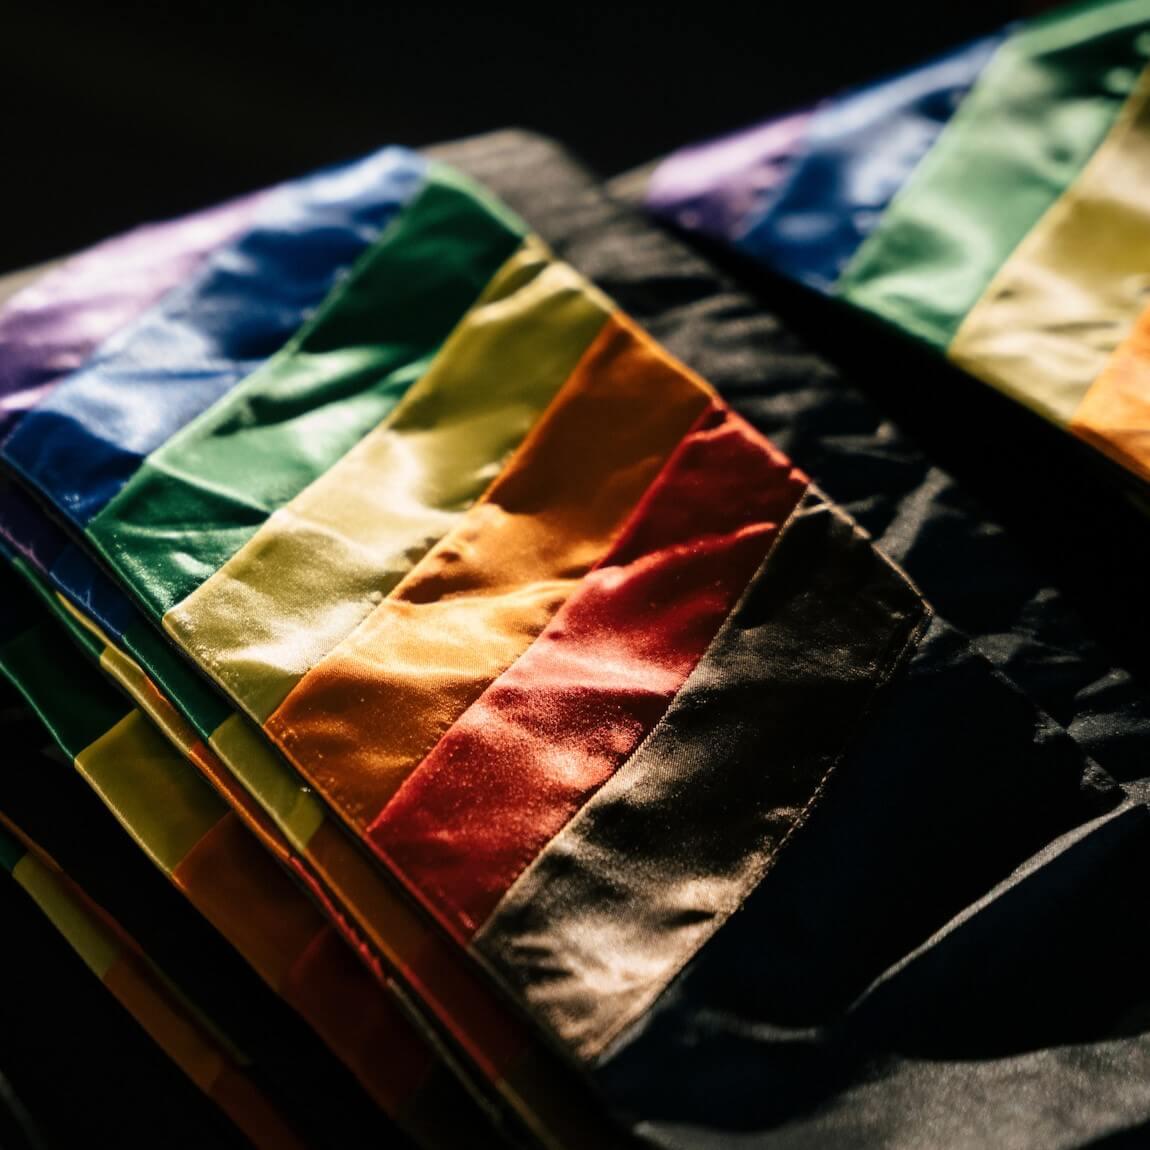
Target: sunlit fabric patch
x=1007 y=230
x=246 y=301
x=485 y=663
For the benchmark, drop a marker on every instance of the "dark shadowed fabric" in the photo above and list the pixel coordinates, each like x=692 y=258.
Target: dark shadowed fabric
x=952 y=950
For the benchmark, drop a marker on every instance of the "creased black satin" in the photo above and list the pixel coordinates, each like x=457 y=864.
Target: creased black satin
x=953 y=952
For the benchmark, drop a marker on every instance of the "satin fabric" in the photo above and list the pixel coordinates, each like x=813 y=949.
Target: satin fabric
x=940 y=814
x=146 y=992
x=858 y=151
x=1069 y=294
x=79 y=444
x=51 y=326
x=717 y=187
x=82 y=829
x=199 y=498
x=653 y=865
x=969 y=566
x=525 y=1073
x=1115 y=412
x=44 y=796
x=320 y=564
x=1030 y=124
x=554 y=727
x=214 y=860
x=362 y=720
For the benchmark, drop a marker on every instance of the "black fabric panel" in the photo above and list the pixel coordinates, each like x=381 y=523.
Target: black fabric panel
x=951 y=953
x=966 y=564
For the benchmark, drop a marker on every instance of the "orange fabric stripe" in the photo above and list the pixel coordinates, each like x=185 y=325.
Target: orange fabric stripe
x=1114 y=415
x=360 y=722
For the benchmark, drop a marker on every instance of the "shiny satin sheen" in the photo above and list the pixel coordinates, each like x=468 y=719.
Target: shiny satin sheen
x=1115 y=412
x=215 y=861
x=1030 y=124
x=79 y=444
x=553 y=728
x=200 y=497
x=52 y=325
x=654 y=863
x=1070 y=292
x=717 y=187
x=364 y=718
x=320 y=564
x=858 y=151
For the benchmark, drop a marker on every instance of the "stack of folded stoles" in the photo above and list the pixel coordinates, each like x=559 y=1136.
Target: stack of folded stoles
x=471 y=729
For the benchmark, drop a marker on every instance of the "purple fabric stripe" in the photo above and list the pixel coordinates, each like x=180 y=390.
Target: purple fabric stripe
x=716 y=186
x=49 y=329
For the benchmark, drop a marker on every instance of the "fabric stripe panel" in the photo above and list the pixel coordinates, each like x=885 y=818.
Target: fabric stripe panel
x=718 y=186
x=242 y=891
x=200 y=497
x=173 y=1021
x=83 y=441
x=1070 y=292
x=557 y=724
x=1115 y=413
x=362 y=720
x=1041 y=108
x=656 y=861
x=321 y=564
x=860 y=148
x=51 y=327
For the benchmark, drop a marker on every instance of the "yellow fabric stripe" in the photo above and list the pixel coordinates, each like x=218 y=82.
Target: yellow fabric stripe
x=1069 y=293
x=165 y=806
x=85 y=934
x=296 y=811
x=322 y=563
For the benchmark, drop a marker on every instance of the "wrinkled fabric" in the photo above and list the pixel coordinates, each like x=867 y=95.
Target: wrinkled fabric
x=49 y=327
x=750 y=1043
x=362 y=721
x=965 y=563
x=319 y=565
x=79 y=444
x=201 y=496
x=1070 y=292
x=858 y=151
x=648 y=869
x=1040 y=109
x=552 y=729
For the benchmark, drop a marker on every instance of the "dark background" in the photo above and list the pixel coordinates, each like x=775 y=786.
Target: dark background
x=113 y=114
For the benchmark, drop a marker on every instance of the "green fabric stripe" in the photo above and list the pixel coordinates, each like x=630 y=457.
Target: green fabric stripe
x=1035 y=117
x=182 y=684
x=77 y=709
x=11 y=852
x=201 y=496
x=81 y=636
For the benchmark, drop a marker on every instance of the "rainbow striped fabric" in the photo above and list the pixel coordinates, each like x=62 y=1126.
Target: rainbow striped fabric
x=512 y=720
x=988 y=204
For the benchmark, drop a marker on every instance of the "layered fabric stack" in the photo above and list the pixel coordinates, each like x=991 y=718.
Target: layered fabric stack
x=989 y=204
x=471 y=728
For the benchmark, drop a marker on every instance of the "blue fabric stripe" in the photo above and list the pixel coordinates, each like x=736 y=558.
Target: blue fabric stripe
x=861 y=148
x=85 y=440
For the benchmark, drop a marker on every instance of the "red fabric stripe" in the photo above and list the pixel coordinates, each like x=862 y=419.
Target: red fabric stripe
x=553 y=728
